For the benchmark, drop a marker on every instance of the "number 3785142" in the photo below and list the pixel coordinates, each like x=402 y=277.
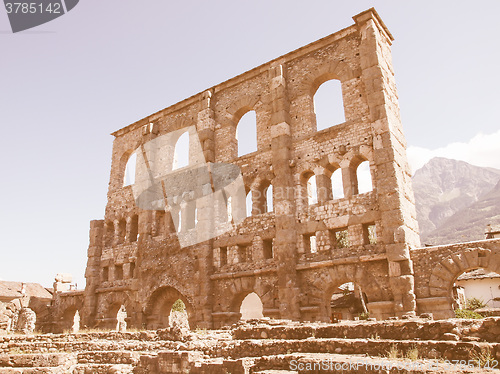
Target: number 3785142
x=32 y=8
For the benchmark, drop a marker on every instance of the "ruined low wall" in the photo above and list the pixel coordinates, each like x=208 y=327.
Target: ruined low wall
x=259 y=345
x=487 y=329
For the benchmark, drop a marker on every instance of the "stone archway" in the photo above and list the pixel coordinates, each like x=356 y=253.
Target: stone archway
x=116 y=311
x=322 y=283
x=444 y=274
x=71 y=320
x=251 y=307
x=160 y=304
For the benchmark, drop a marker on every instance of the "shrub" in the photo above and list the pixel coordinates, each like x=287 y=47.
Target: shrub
x=474 y=303
x=468 y=314
x=364 y=316
x=178 y=306
x=483 y=358
x=413 y=353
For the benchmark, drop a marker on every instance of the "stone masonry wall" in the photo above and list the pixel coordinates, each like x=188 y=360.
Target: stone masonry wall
x=136 y=262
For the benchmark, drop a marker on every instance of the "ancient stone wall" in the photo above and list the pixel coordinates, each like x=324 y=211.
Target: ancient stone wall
x=437 y=268
x=136 y=262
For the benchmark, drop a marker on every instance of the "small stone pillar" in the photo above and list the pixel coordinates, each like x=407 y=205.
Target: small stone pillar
x=26 y=321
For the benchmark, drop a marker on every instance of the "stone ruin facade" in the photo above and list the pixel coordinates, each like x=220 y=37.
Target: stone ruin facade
x=137 y=267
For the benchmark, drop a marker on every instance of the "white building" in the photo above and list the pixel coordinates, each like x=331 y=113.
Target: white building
x=482 y=285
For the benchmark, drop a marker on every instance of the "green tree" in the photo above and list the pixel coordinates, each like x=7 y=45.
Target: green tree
x=178 y=306
x=474 y=303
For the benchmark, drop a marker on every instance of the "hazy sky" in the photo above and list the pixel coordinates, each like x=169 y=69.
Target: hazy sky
x=66 y=85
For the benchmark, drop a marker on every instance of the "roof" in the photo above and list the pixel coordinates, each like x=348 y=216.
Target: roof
x=340 y=301
x=478 y=274
x=12 y=290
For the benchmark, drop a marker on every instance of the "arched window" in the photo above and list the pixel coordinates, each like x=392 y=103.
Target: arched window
x=109 y=234
x=312 y=195
x=134 y=228
x=269 y=198
x=129 y=177
x=251 y=307
x=249 y=203
x=181 y=152
x=337 y=184
x=364 y=177
x=310 y=243
x=229 y=209
x=329 y=105
x=246 y=133
x=122 y=231
x=159 y=229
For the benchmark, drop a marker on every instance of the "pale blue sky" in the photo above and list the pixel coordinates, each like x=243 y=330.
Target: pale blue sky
x=66 y=85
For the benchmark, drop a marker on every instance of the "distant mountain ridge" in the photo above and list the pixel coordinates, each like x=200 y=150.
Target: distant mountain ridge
x=455 y=200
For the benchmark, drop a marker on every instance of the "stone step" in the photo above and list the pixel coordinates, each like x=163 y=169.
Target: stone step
x=77 y=346
x=102 y=369
x=18 y=360
x=372 y=347
x=35 y=370
x=316 y=363
x=108 y=357
x=486 y=329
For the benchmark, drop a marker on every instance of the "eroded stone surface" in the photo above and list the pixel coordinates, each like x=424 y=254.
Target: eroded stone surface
x=244 y=349
x=297 y=254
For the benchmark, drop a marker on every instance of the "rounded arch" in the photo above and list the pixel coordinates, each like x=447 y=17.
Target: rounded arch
x=312 y=190
x=351 y=161
x=67 y=317
x=110 y=307
x=316 y=77
x=246 y=129
x=159 y=305
x=263 y=179
x=260 y=188
x=124 y=160
x=69 y=320
x=329 y=104
x=312 y=184
x=251 y=307
x=337 y=182
x=134 y=227
x=364 y=177
x=180 y=123
x=241 y=106
x=445 y=273
x=306 y=169
x=241 y=288
x=304 y=172
x=355 y=157
x=330 y=163
x=249 y=203
x=356 y=274
x=181 y=150
x=234 y=113
x=324 y=283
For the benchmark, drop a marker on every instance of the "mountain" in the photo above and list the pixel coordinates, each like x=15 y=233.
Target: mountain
x=470 y=223
x=455 y=200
